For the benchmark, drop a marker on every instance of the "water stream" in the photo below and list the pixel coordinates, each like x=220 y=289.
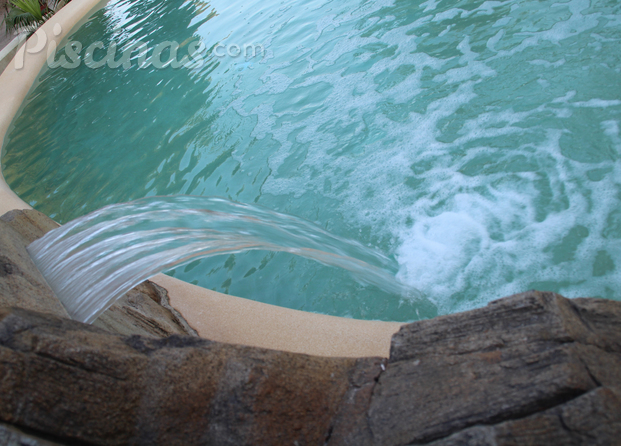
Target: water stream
x=93 y=260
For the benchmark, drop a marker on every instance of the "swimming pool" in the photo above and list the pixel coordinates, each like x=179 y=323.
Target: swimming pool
x=477 y=142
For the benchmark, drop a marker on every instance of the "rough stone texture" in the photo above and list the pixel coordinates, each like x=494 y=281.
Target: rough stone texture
x=29 y=223
x=351 y=426
x=80 y=383
x=517 y=356
x=145 y=310
x=531 y=369
x=21 y=283
x=11 y=436
x=592 y=418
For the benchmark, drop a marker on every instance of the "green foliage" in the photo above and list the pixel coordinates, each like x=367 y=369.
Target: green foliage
x=24 y=15
x=27 y=15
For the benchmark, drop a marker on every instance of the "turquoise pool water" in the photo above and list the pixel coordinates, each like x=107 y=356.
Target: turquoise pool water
x=475 y=142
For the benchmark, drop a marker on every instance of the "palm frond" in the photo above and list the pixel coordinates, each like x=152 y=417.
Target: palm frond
x=17 y=20
x=26 y=16
x=31 y=6
x=55 y=5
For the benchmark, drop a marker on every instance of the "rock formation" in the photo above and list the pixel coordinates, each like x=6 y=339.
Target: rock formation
x=145 y=310
x=21 y=283
x=530 y=369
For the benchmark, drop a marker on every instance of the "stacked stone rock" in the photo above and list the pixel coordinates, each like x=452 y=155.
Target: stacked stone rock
x=530 y=369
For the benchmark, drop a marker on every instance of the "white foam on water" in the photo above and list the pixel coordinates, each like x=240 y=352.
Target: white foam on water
x=497 y=231
x=482 y=231
x=438 y=249
x=429 y=5
x=596 y=103
x=526 y=249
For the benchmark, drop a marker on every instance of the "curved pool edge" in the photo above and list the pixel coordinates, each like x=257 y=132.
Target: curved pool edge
x=214 y=315
x=236 y=320
x=15 y=83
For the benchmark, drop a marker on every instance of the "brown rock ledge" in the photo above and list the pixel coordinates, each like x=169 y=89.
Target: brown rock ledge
x=530 y=369
x=516 y=357
x=74 y=382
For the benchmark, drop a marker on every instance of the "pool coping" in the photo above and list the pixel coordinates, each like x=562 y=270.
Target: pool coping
x=214 y=315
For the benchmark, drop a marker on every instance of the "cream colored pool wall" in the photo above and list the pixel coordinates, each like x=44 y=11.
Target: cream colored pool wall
x=214 y=315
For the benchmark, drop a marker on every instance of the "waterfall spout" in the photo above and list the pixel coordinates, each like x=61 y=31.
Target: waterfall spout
x=93 y=260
